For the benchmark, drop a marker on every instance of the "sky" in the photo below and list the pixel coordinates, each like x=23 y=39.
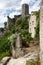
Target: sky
x=14 y=7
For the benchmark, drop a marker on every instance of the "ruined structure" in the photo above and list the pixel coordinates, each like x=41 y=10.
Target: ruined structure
x=10 y=22
x=17 y=51
x=12 y=50
x=17 y=16
x=1 y=32
x=25 y=13
x=25 y=9
x=5 y=25
x=41 y=33
x=32 y=24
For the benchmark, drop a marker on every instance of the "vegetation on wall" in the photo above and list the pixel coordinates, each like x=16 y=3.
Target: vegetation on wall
x=21 y=26
x=37 y=25
x=35 y=61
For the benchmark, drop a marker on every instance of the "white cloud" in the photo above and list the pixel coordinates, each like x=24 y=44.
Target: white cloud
x=14 y=13
x=36 y=7
x=13 y=7
x=3 y=19
x=25 y=1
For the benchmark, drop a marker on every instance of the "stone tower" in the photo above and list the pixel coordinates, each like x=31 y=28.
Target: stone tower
x=19 y=51
x=32 y=24
x=25 y=9
x=41 y=33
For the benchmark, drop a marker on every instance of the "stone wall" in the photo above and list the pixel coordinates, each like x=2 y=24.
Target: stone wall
x=41 y=33
x=10 y=22
x=32 y=24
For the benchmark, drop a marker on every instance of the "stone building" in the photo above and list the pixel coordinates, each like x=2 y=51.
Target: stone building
x=1 y=32
x=10 y=22
x=41 y=33
x=5 y=25
x=32 y=24
x=17 y=16
x=25 y=13
x=25 y=9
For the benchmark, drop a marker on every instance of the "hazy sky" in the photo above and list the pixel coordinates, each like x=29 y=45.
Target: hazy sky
x=13 y=7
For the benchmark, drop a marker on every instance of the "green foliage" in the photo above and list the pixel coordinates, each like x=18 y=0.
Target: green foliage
x=36 y=61
x=3 y=54
x=37 y=25
x=31 y=62
x=37 y=31
x=12 y=38
x=26 y=35
x=4 y=46
x=1 y=29
x=20 y=26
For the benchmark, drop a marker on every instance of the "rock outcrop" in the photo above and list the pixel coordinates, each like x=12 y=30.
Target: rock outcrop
x=5 y=60
x=17 y=51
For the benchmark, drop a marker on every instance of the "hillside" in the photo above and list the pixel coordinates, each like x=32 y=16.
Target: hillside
x=21 y=26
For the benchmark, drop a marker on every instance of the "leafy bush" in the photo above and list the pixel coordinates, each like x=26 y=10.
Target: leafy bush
x=4 y=45
x=3 y=54
x=37 y=25
x=30 y=62
x=20 y=26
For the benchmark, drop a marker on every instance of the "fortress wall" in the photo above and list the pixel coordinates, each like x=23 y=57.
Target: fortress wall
x=41 y=33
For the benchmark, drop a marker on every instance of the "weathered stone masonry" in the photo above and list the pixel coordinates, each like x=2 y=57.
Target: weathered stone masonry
x=41 y=33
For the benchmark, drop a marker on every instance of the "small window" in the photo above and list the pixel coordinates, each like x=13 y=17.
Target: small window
x=30 y=22
x=33 y=22
x=34 y=27
x=30 y=29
